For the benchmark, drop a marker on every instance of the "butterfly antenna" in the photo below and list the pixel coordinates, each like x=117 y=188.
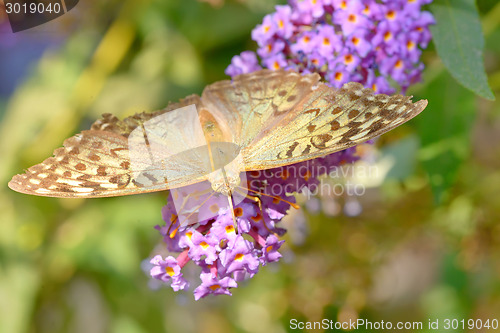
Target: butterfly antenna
x=294 y=205
x=259 y=203
x=231 y=207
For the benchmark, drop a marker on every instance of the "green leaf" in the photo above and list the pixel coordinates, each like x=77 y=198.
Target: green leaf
x=459 y=42
x=444 y=129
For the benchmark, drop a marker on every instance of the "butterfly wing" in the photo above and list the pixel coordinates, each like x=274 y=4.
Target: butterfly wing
x=96 y=163
x=284 y=118
x=275 y=117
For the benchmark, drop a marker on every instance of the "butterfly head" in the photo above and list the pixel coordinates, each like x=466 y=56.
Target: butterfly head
x=224 y=181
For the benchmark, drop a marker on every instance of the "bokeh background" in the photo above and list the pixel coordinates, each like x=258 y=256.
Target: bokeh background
x=426 y=244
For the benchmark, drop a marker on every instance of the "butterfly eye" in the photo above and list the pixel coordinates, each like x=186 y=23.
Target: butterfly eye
x=209 y=126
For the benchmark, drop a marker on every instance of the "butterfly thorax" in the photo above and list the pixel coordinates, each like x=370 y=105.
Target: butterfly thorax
x=224 y=181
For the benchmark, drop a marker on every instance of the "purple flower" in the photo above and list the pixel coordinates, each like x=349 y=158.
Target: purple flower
x=246 y=62
x=316 y=61
x=349 y=60
x=211 y=285
x=304 y=43
x=202 y=246
x=409 y=46
x=284 y=28
x=276 y=62
x=271 y=48
x=384 y=38
x=371 y=10
x=357 y=42
x=338 y=75
x=239 y=257
x=168 y=270
x=352 y=18
x=314 y=8
x=394 y=67
x=265 y=31
x=270 y=250
x=379 y=84
x=327 y=42
x=419 y=25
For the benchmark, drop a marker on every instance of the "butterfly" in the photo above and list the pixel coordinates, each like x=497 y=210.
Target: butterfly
x=256 y=121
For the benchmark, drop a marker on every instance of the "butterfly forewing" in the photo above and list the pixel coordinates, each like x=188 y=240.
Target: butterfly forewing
x=96 y=163
x=89 y=164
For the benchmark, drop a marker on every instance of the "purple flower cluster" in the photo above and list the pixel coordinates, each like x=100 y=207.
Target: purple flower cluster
x=223 y=252
x=372 y=42
x=367 y=41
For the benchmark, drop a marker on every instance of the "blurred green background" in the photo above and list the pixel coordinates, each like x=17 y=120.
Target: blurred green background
x=426 y=245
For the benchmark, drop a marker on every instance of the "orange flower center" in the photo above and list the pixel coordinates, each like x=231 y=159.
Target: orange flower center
x=387 y=36
x=238 y=212
x=257 y=217
x=170 y=271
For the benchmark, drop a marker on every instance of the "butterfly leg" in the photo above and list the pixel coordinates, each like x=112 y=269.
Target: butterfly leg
x=184 y=202
x=231 y=207
x=257 y=199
